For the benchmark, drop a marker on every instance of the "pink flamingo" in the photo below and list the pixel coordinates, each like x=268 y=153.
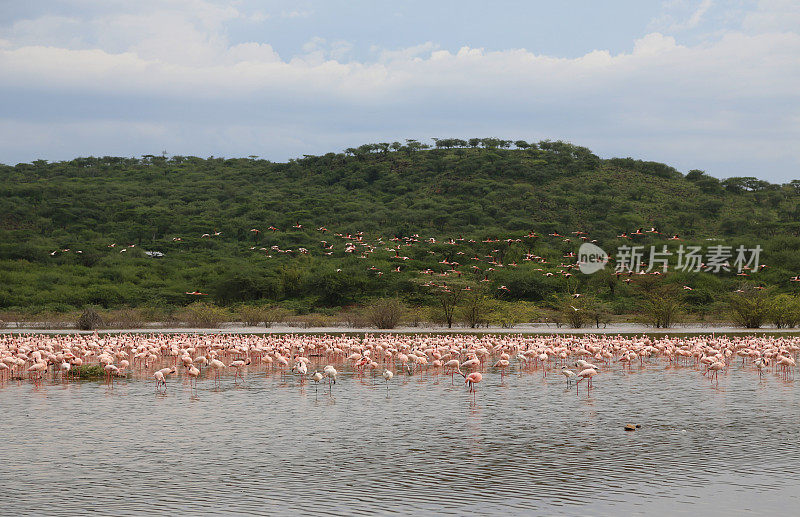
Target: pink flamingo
x=587 y=374
x=714 y=368
x=453 y=365
x=502 y=364
x=471 y=380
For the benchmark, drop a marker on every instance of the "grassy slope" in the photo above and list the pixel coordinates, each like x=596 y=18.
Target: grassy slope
x=87 y=204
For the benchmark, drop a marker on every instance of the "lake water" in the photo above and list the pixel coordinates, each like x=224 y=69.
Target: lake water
x=526 y=445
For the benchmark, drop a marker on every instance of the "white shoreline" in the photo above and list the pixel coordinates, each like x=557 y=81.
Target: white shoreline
x=532 y=329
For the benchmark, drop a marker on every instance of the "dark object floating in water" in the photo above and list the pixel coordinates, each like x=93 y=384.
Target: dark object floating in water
x=631 y=427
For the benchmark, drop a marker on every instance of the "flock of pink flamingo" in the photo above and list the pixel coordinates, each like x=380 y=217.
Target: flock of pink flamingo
x=452 y=262
x=316 y=357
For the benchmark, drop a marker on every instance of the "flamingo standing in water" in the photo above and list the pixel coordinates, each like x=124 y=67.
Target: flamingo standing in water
x=761 y=364
x=714 y=368
x=387 y=374
x=543 y=357
x=161 y=376
x=217 y=366
x=316 y=378
x=237 y=366
x=65 y=368
x=454 y=366
x=785 y=364
x=569 y=374
x=709 y=353
x=300 y=367
x=37 y=371
x=473 y=362
x=111 y=370
x=471 y=380
x=282 y=363
x=522 y=360
x=160 y=379
x=331 y=373
x=587 y=374
x=502 y=364
x=193 y=372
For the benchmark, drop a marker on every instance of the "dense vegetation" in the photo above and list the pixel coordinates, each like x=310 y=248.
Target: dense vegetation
x=75 y=233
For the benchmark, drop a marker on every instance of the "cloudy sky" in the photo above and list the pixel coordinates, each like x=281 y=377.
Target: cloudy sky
x=709 y=84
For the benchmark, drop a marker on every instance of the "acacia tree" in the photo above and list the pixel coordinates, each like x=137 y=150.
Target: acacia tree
x=385 y=313
x=580 y=309
x=605 y=279
x=662 y=307
x=660 y=304
x=476 y=308
x=448 y=298
x=785 y=311
x=750 y=307
x=415 y=145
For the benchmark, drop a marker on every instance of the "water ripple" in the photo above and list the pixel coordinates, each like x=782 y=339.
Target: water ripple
x=527 y=445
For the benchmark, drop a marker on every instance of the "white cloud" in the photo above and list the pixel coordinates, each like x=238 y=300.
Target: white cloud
x=736 y=65
x=259 y=16
x=681 y=15
x=415 y=51
x=774 y=15
x=296 y=14
x=314 y=44
x=729 y=98
x=697 y=15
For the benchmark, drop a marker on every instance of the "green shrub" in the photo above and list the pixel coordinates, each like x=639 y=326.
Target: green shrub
x=124 y=318
x=354 y=317
x=510 y=314
x=89 y=320
x=572 y=311
x=273 y=315
x=251 y=316
x=750 y=307
x=661 y=309
x=385 y=313
x=203 y=315
x=88 y=371
x=785 y=311
x=416 y=316
x=476 y=309
x=310 y=320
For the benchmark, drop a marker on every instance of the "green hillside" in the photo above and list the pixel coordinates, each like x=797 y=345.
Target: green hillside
x=477 y=190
